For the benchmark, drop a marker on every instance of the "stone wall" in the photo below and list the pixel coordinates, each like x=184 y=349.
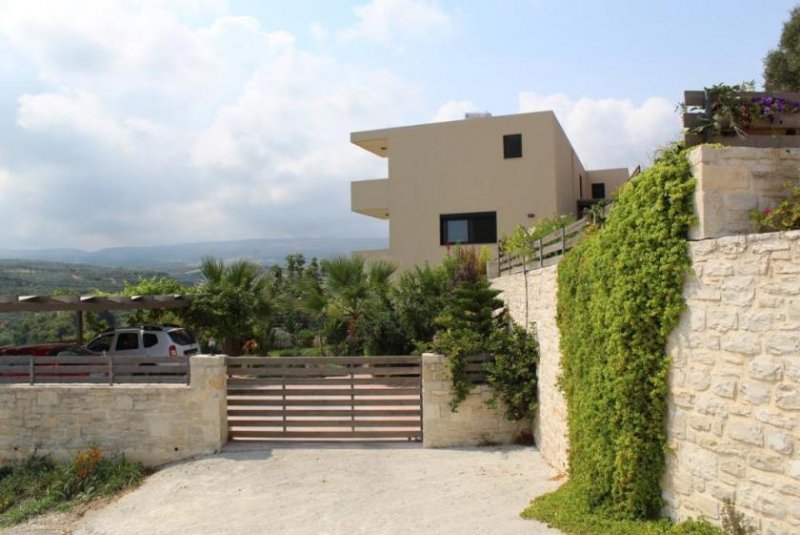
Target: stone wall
x=153 y=424
x=734 y=400
x=473 y=424
x=732 y=181
x=539 y=308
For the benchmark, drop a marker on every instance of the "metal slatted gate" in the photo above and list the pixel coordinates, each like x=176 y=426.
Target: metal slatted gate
x=325 y=398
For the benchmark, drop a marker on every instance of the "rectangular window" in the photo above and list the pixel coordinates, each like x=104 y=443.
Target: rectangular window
x=512 y=146
x=127 y=341
x=599 y=190
x=478 y=227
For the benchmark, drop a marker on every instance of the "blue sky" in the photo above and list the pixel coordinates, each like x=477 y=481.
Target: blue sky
x=138 y=122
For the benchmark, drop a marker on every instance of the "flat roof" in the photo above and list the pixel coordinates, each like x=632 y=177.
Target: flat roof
x=377 y=141
x=51 y=303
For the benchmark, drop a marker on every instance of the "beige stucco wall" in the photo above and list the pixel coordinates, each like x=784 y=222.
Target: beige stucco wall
x=550 y=424
x=732 y=181
x=473 y=424
x=612 y=178
x=458 y=167
x=153 y=424
x=734 y=396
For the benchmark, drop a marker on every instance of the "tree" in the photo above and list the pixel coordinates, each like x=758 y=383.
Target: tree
x=354 y=292
x=782 y=65
x=232 y=303
x=468 y=322
x=419 y=298
x=154 y=286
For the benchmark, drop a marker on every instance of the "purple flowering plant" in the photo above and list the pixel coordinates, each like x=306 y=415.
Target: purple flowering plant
x=733 y=110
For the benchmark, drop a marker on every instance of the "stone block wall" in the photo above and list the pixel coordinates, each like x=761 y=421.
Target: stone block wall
x=153 y=424
x=538 y=306
x=734 y=399
x=732 y=181
x=473 y=424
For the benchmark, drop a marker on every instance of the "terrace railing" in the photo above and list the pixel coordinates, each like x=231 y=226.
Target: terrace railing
x=544 y=252
x=110 y=370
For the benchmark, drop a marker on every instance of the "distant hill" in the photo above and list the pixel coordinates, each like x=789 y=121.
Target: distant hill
x=35 y=277
x=184 y=256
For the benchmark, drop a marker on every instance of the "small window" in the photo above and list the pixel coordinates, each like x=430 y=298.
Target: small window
x=599 y=190
x=512 y=146
x=150 y=340
x=127 y=341
x=479 y=227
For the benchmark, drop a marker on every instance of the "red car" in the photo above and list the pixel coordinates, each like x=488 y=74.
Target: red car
x=17 y=370
x=49 y=349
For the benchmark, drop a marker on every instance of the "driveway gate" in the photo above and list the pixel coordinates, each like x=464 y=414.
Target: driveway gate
x=324 y=398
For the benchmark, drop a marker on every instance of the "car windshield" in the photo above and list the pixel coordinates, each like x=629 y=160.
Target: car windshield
x=182 y=337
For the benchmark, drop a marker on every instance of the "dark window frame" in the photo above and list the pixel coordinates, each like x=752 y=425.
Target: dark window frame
x=512 y=146
x=598 y=190
x=475 y=234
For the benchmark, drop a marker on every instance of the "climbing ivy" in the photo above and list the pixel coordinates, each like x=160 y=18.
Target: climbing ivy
x=619 y=296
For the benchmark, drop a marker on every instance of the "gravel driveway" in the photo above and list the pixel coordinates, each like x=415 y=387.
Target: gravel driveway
x=331 y=490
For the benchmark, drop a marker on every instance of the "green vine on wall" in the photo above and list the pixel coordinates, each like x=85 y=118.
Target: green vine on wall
x=619 y=297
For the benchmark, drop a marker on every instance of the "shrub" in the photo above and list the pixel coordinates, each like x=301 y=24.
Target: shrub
x=37 y=484
x=619 y=297
x=785 y=216
x=512 y=374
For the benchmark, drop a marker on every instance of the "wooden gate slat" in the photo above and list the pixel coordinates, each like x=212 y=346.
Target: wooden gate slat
x=325 y=398
x=328 y=435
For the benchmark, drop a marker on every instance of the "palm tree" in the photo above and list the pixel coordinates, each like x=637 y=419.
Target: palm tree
x=351 y=287
x=233 y=305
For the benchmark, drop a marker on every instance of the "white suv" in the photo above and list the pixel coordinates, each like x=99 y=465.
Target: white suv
x=146 y=340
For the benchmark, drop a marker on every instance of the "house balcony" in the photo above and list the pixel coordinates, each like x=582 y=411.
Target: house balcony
x=370 y=197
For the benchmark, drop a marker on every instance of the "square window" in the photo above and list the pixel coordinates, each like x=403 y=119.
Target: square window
x=512 y=146
x=478 y=227
x=599 y=190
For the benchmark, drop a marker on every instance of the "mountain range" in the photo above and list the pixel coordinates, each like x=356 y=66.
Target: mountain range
x=187 y=255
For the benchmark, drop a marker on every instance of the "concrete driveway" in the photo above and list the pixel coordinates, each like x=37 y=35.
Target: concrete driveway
x=331 y=490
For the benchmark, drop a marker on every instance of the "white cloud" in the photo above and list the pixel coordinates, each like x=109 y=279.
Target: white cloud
x=70 y=113
x=178 y=132
x=454 y=110
x=393 y=22
x=610 y=132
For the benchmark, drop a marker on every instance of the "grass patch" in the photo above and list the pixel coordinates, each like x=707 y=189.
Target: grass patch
x=37 y=484
x=565 y=510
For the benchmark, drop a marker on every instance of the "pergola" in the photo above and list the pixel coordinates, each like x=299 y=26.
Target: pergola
x=89 y=303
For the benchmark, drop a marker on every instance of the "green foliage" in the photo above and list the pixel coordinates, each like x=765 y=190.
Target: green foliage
x=38 y=484
x=566 y=510
x=512 y=373
x=355 y=299
x=155 y=285
x=619 y=297
x=782 y=65
x=232 y=304
x=467 y=322
x=522 y=240
x=419 y=298
x=732 y=111
x=785 y=216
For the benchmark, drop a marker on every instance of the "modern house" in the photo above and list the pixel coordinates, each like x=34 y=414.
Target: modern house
x=472 y=181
